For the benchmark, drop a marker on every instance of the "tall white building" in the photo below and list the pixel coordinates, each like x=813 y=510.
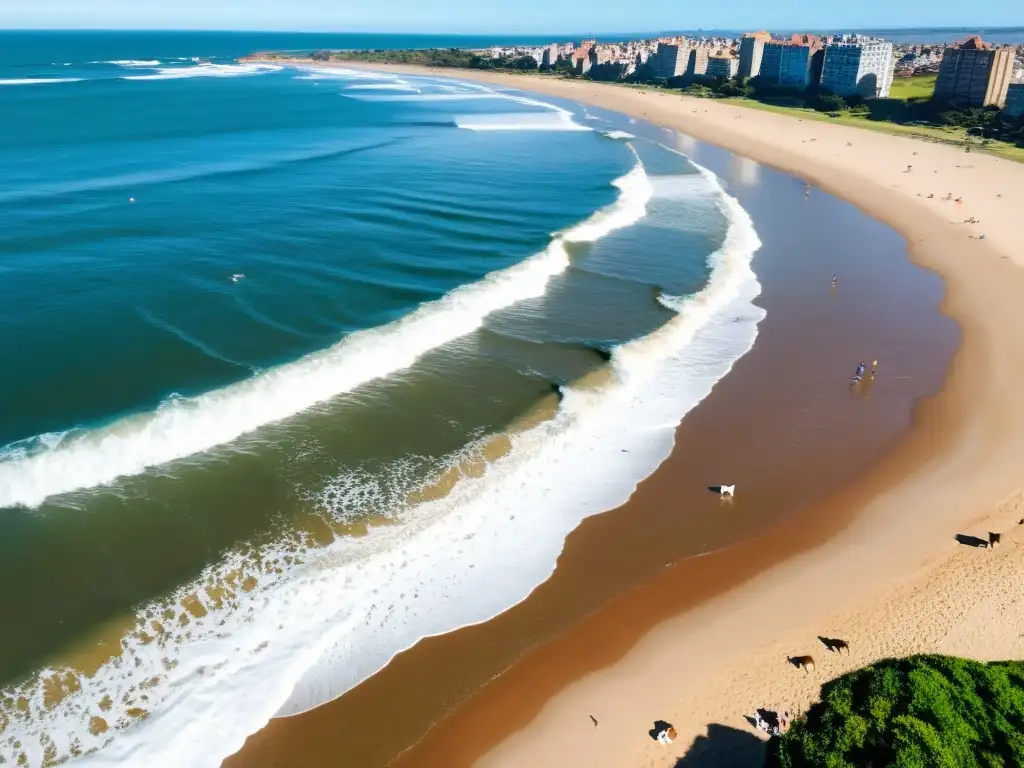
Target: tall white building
x=670 y=59
x=860 y=68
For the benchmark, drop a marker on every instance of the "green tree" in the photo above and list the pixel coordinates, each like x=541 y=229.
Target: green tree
x=524 y=63
x=564 y=65
x=701 y=91
x=645 y=74
x=736 y=87
x=829 y=102
x=918 y=712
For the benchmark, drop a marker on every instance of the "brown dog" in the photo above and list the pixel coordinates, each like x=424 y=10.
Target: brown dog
x=806 y=663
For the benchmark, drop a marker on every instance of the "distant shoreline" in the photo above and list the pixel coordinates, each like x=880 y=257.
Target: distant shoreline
x=411 y=58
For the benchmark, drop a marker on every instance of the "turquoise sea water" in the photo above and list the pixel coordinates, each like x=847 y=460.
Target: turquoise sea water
x=301 y=365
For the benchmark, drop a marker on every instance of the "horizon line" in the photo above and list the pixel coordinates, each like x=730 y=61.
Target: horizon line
x=637 y=34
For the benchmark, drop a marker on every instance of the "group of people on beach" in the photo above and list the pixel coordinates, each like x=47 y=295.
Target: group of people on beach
x=779 y=727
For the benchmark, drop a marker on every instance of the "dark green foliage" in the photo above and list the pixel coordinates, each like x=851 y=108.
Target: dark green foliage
x=735 y=88
x=564 y=66
x=524 y=63
x=701 y=91
x=645 y=74
x=769 y=92
x=606 y=72
x=435 y=57
x=918 y=712
x=829 y=102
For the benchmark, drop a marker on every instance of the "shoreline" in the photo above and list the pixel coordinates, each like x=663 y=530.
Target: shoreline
x=944 y=435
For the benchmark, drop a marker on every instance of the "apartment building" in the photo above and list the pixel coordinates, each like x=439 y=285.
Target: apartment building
x=861 y=68
x=975 y=74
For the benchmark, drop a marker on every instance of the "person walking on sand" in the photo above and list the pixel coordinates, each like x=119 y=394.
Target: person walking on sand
x=874 y=368
x=833 y=281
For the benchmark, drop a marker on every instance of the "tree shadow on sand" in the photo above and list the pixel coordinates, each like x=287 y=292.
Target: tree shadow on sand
x=724 y=747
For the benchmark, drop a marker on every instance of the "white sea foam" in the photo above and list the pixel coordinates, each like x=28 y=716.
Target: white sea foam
x=206 y=70
x=340 y=73
x=314 y=627
x=428 y=97
x=39 y=80
x=131 y=62
x=551 y=118
x=186 y=426
x=521 y=121
x=396 y=86
x=619 y=135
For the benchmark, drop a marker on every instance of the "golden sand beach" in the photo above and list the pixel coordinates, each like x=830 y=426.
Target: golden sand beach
x=875 y=564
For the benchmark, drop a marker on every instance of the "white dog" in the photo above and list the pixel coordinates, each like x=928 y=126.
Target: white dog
x=727 y=490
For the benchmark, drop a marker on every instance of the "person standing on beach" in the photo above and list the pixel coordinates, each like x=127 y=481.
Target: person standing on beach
x=833 y=281
x=874 y=368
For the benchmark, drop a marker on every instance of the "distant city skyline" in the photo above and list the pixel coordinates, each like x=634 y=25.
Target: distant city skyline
x=504 y=17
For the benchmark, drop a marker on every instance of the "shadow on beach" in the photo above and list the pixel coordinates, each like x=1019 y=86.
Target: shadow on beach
x=724 y=747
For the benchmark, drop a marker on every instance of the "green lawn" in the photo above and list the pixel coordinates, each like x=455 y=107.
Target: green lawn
x=946 y=135
x=916 y=87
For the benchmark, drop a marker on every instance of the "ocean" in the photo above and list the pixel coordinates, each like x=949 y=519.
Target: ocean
x=302 y=365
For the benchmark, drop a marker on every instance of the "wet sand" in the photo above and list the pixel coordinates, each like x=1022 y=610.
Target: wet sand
x=783 y=425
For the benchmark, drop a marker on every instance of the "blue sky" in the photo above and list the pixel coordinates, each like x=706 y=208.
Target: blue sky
x=503 y=16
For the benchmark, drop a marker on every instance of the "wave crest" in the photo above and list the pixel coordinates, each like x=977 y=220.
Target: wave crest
x=186 y=426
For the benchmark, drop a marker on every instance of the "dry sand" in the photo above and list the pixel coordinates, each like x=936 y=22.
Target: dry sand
x=895 y=580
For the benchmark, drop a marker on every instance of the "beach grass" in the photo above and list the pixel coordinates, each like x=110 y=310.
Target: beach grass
x=942 y=134
x=910 y=88
x=916 y=87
